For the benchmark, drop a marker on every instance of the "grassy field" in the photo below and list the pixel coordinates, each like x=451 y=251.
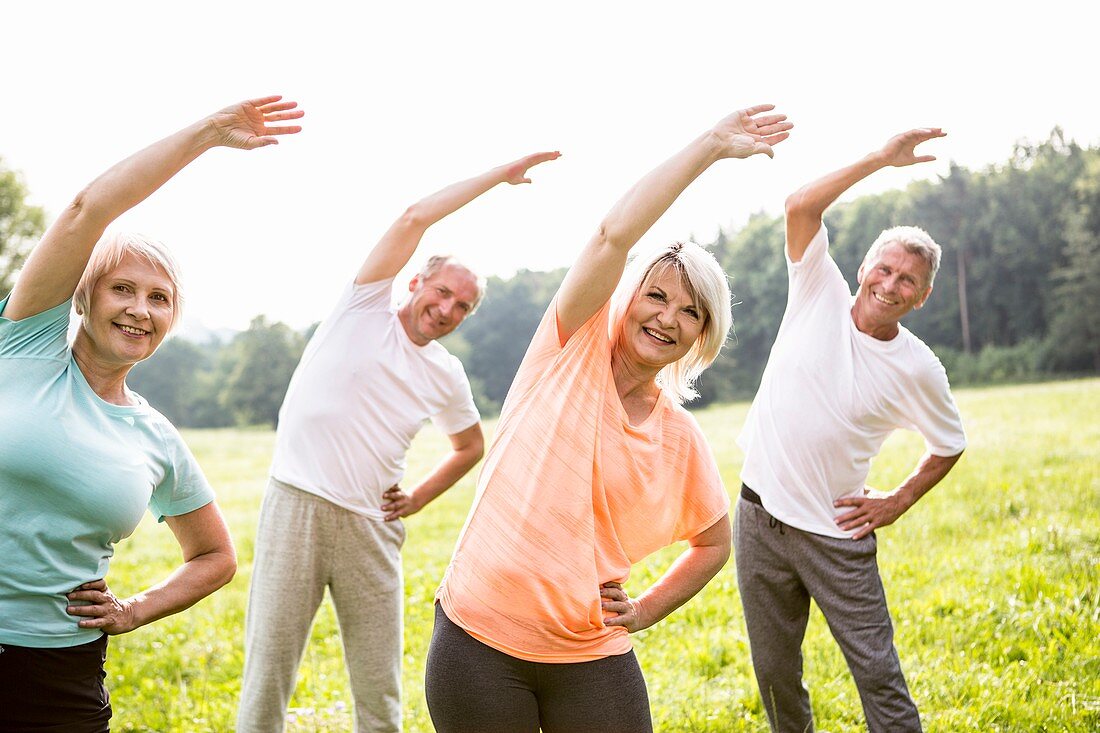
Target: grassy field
x=992 y=580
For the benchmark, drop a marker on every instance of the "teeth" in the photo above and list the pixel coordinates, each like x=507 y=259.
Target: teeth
x=881 y=299
x=131 y=329
x=658 y=336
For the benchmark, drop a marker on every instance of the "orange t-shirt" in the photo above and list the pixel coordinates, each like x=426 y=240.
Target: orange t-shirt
x=570 y=496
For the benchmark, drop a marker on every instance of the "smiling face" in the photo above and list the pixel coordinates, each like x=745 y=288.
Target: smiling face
x=130 y=311
x=664 y=321
x=892 y=284
x=438 y=304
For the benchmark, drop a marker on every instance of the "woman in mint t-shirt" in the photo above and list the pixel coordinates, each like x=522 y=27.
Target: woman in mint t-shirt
x=81 y=456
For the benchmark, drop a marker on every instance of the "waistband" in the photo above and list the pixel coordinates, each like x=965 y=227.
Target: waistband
x=750 y=496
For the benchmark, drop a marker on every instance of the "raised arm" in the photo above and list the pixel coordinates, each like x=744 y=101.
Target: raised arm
x=398 y=244
x=807 y=205
x=593 y=277
x=57 y=262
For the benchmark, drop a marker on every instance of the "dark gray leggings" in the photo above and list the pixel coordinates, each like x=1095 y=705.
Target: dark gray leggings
x=473 y=688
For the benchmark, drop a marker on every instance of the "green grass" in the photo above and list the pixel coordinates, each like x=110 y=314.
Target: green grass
x=992 y=580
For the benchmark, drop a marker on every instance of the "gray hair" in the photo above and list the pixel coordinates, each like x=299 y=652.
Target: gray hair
x=109 y=252
x=709 y=288
x=436 y=263
x=915 y=241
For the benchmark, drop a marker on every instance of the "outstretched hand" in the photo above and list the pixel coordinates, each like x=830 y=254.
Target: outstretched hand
x=104 y=611
x=748 y=131
x=515 y=172
x=898 y=150
x=247 y=125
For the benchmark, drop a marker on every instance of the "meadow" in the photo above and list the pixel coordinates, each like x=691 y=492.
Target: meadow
x=993 y=580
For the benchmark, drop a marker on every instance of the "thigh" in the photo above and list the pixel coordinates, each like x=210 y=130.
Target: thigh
x=602 y=696
x=54 y=690
x=473 y=688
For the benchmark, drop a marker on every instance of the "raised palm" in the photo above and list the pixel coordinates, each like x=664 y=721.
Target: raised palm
x=247 y=125
x=744 y=133
x=899 y=150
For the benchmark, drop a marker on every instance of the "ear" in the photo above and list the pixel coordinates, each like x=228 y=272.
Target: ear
x=928 y=292
x=414 y=283
x=859 y=272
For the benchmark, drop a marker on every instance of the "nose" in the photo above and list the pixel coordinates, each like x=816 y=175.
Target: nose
x=137 y=309
x=666 y=318
x=445 y=308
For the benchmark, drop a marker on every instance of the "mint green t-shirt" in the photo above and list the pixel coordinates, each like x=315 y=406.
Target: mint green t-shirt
x=76 y=474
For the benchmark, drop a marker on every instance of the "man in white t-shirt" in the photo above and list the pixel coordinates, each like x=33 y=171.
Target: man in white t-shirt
x=842 y=375
x=370 y=377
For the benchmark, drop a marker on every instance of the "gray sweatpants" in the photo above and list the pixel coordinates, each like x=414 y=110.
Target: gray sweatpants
x=779 y=569
x=303 y=545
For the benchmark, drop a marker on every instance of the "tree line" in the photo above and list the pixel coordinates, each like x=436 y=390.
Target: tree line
x=1017 y=296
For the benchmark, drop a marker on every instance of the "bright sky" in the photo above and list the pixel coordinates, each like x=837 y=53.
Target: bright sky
x=404 y=98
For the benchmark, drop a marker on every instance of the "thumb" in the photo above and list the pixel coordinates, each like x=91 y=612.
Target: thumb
x=762 y=147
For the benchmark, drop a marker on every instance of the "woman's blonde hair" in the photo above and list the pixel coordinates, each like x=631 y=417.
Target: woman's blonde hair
x=709 y=288
x=107 y=255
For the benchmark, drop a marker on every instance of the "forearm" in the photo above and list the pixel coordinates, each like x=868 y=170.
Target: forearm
x=400 y=241
x=817 y=196
x=692 y=570
x=190 y=583
x=929 y=472
x=648 y=199
x=445 y=475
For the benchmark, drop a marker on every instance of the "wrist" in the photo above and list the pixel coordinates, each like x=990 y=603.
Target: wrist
x=206 y=134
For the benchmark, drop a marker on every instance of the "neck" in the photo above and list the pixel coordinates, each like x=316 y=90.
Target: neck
x=633 y=380
x=881 y=331
x=404 y=314
x=108 y=381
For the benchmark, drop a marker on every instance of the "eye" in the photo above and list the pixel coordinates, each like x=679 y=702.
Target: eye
x=120 y=288
x=656 y=295
x=160 y=297
x=692 y=312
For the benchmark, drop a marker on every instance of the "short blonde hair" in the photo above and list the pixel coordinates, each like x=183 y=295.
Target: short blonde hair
x=709 y=287
x=109 y=252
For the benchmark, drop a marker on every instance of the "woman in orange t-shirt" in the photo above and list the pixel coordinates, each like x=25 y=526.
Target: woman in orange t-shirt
x=595 y=465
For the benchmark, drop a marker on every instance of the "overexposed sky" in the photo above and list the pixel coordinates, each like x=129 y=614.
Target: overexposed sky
x=404 y=98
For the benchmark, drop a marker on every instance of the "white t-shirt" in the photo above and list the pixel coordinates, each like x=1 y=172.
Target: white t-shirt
x=358 y=397
x=831 y=395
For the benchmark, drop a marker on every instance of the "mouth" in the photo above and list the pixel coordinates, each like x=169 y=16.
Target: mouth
x=884 y=301
x=658 y=336
x=131 y=331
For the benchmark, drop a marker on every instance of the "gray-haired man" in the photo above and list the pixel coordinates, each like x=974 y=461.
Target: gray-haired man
x=842 y=375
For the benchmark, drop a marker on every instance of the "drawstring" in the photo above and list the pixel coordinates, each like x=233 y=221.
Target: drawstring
x=773 y=523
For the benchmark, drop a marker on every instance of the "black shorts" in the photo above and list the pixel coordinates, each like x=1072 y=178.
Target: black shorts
x=54 y=690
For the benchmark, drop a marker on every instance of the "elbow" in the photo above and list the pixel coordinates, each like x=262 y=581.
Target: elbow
x=414 y=218
x=227 y=567
x=796 y=203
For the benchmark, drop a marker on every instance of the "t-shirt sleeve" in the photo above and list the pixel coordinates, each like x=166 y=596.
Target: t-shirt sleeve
x=934 y=414
x=815 y=275
x=705 y=500
x=42 y=336
x=184 y=487
x=461 y=412
x=375 y=296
